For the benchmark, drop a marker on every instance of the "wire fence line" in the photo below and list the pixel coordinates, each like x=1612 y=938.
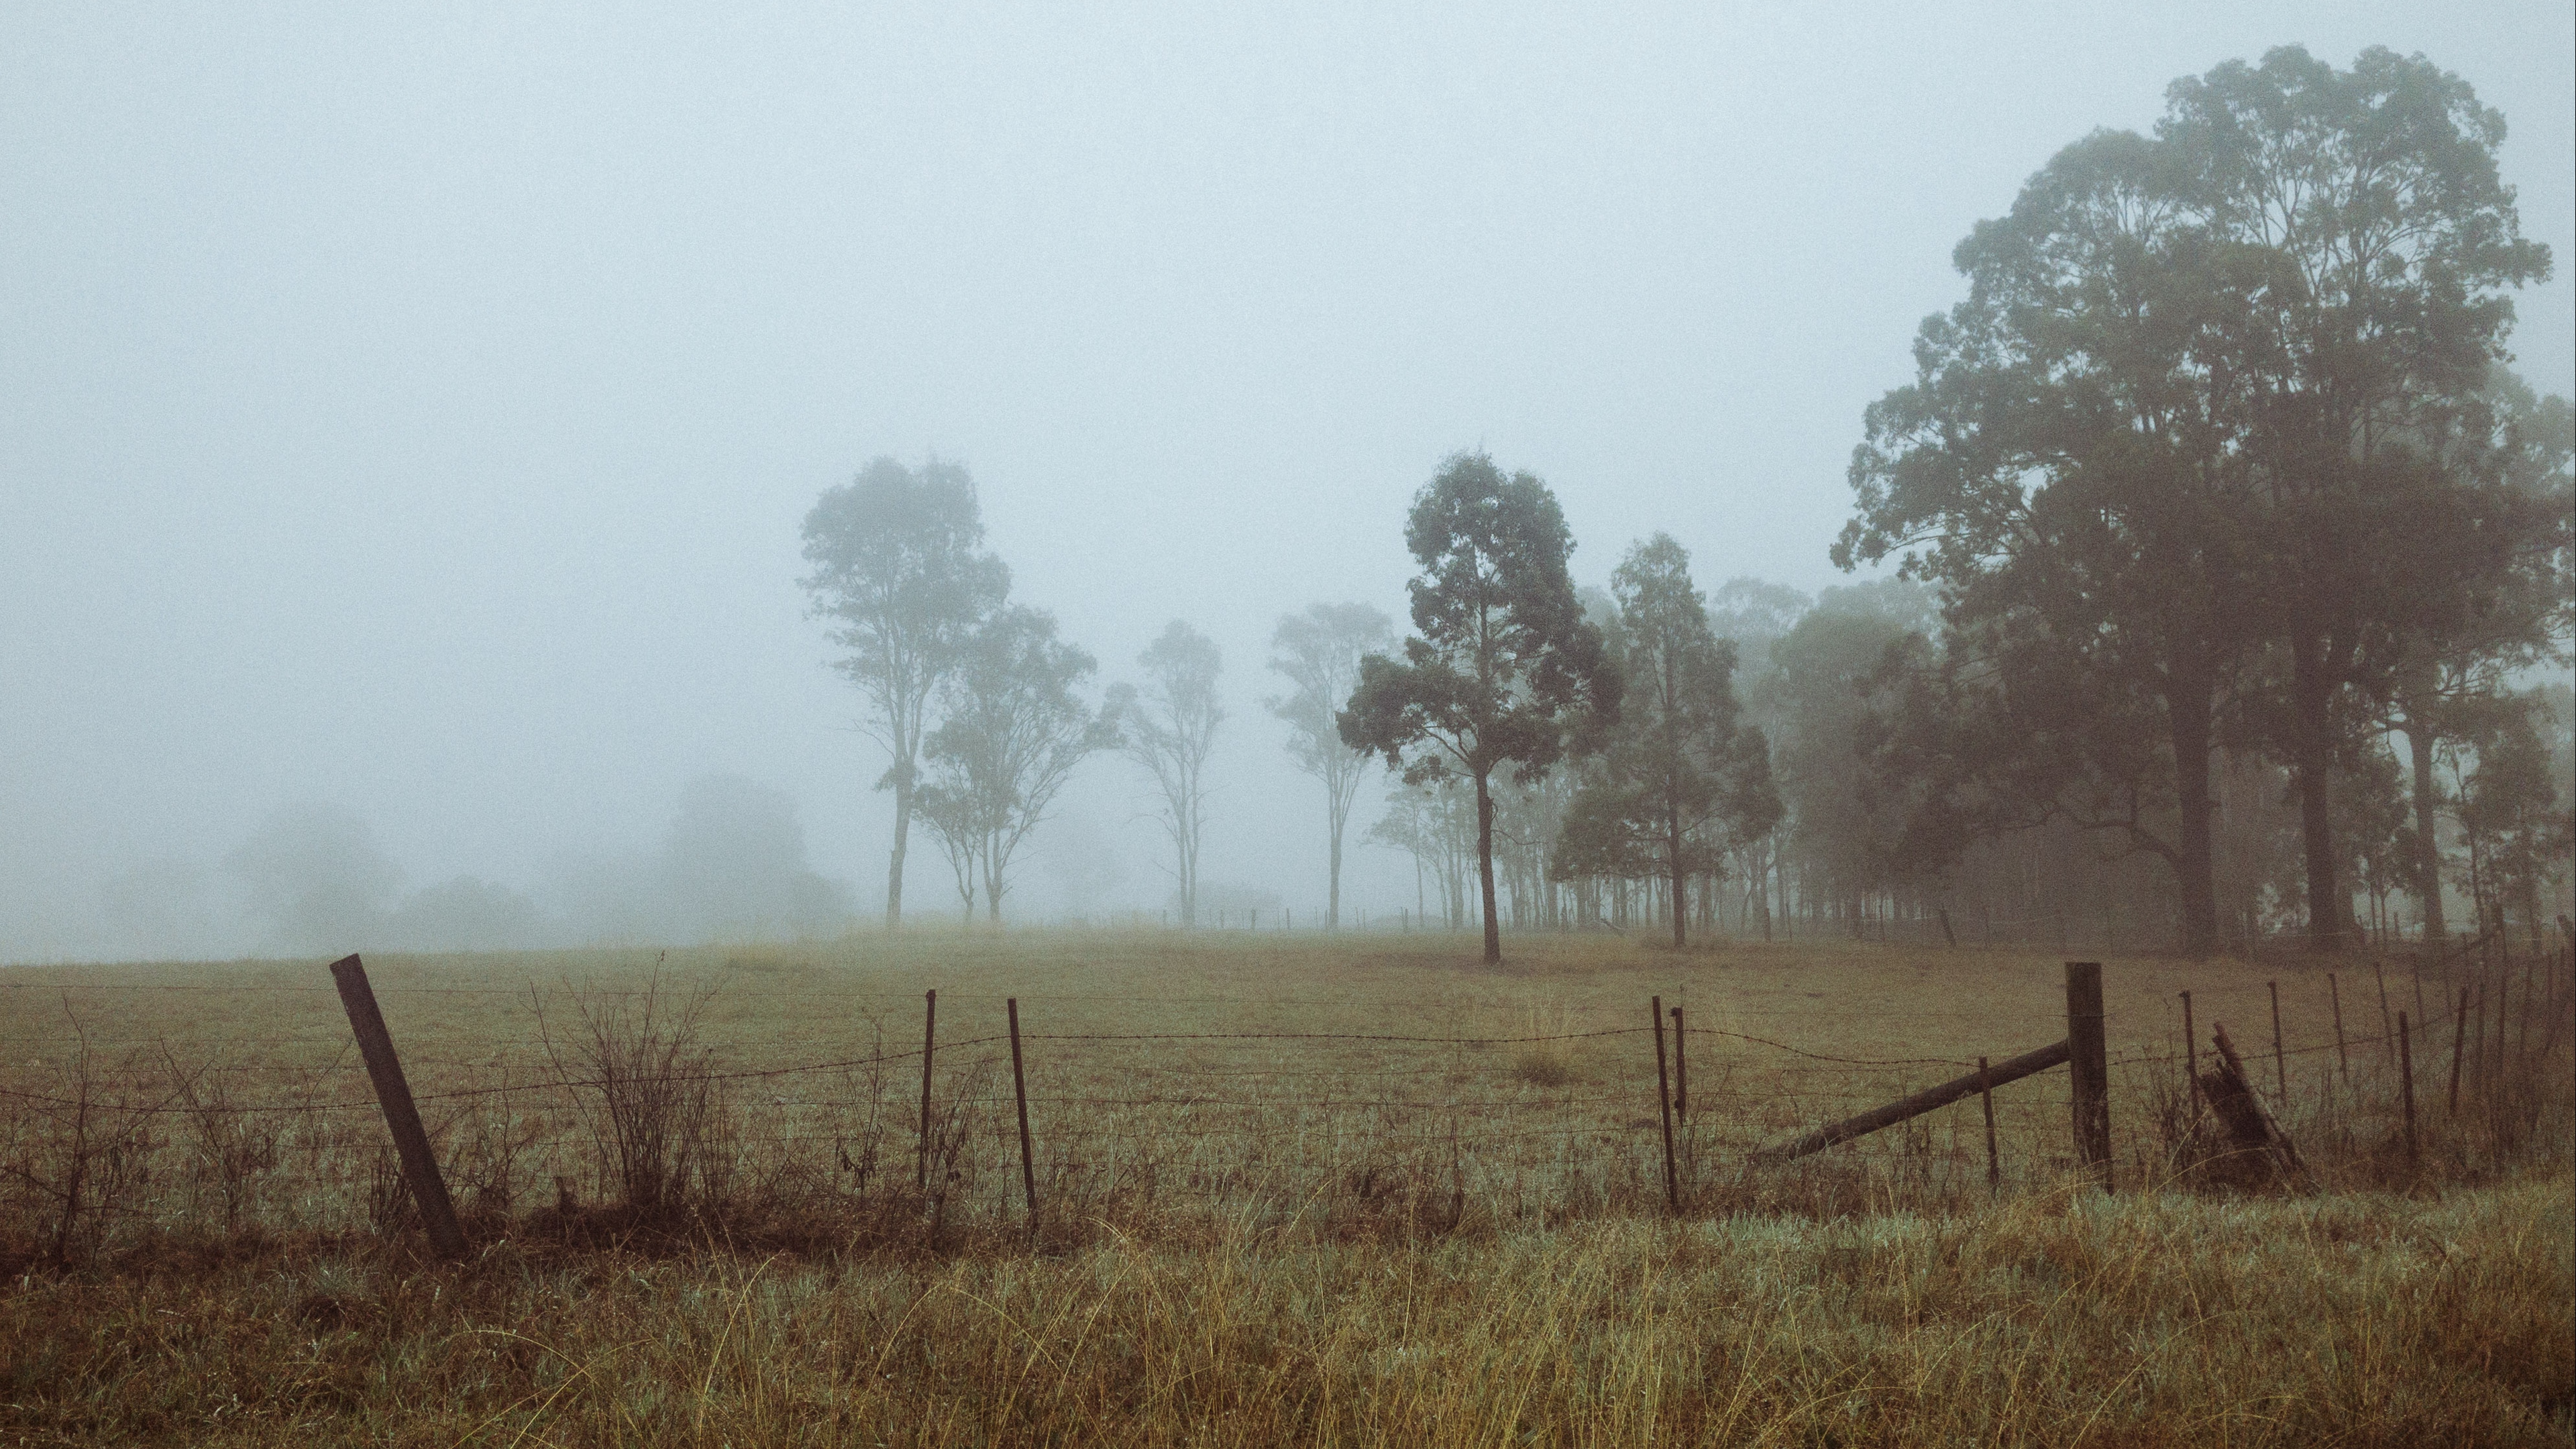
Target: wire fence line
x=1112 y=1110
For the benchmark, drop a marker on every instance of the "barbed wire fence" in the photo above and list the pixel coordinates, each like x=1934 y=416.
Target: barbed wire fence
x=597 y=1113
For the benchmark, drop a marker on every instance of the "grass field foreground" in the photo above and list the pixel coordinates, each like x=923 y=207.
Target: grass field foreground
x=1296 y=1189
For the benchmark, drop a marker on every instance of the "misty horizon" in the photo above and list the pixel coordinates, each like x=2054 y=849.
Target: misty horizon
x=411 y=418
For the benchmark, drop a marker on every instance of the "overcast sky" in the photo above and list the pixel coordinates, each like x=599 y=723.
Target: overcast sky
x=413 y=407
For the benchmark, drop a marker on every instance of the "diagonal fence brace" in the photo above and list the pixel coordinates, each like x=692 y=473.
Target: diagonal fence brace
x=2055 y=1054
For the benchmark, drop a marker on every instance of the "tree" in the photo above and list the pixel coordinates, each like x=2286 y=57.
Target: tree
x=1681 y=783
x=733 y=864
x=2453 y=658
x=895 y=567
x=316 y=876
x=1842 y=831
x=1319 y=652
x=1502 y=667
x=1753 y=614
x=2068 y=464
x=1427 y=822
x=466 y=914
x=2517 y=830
x=2366 y=210
x=1013 y=729
x=1169 y=728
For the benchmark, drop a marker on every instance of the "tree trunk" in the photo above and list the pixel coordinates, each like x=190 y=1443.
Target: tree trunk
x=2428 y=804
x=1485 y=869
x=902 y=837
x=2187 y=709
x=1333 y=901
x=1673 y=842
x=2310 y=696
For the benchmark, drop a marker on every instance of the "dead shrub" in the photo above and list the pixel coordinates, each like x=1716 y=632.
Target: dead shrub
x=649 y=1098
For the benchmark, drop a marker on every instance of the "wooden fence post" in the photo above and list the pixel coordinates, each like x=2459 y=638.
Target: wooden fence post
x=2190 y=1054
x=1986 y=1097
x=402 y=1117
x=2406 y=1084
x=1681 y=1069
x=2478 y=1040
x=2343 y=1060
x=1020 y=1094
x=929 y=1035
x=2280 y=1062
x=2459 y=1043
x=2088 y=1062
x=1664 y=1105
x=2380 y=971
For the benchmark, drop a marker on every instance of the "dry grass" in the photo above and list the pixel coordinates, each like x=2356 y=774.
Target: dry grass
x=1257 y=1228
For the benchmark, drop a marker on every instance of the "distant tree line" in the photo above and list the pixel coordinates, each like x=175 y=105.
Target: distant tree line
x=2214 y=485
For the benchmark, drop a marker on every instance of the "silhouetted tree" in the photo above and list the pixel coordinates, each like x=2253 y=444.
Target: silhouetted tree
x=1502 y=667
x=897 y=571
x=1169 y=728
x=2068 y=464
x=2366 y=209
x=1319 y=652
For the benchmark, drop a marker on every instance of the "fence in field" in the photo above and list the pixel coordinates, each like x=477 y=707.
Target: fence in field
x=1033 y=1122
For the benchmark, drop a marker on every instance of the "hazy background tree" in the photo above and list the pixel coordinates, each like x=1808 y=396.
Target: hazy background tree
x=1169 y=728
x=1435 y=823
x=316 y=880
x=733 y=866
x=952 y=811
x=1502 y=667
x=895 y=568
x=466 y=913
x=2448 y=659
x=1319 y=653
x=2513 y=820
x=1013 y=728
x=1842 y=833
x=1753 y=614
x=1679 y=782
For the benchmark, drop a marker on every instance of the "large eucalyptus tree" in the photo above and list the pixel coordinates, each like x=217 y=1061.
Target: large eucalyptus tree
x=1502 y=669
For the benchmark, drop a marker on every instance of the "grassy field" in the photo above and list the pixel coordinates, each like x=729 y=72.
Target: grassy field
x=1291 y=1189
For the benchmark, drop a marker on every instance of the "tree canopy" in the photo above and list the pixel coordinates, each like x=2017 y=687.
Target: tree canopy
x=896 y=569
x=1502 y=668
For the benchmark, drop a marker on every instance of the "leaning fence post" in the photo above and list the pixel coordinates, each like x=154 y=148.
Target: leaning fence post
x=929 y=1032
x=411 y=1143
x=2088 y=1062
x=2280 y=1063
x=1681 y=1069
x=2406 y=1084
x=2343 y=1061
x=1986 y=1097
x=1664 y=1105
x=1020 y=1094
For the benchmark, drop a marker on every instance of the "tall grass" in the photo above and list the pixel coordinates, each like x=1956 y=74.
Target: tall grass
x=1465 y=1244
x=2064 y=1318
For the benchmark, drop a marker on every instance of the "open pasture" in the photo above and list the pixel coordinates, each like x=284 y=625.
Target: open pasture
x=1290 y=1188
x=1330 y=1082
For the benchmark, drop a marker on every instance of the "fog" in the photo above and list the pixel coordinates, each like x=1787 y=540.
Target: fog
x=406 y=418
